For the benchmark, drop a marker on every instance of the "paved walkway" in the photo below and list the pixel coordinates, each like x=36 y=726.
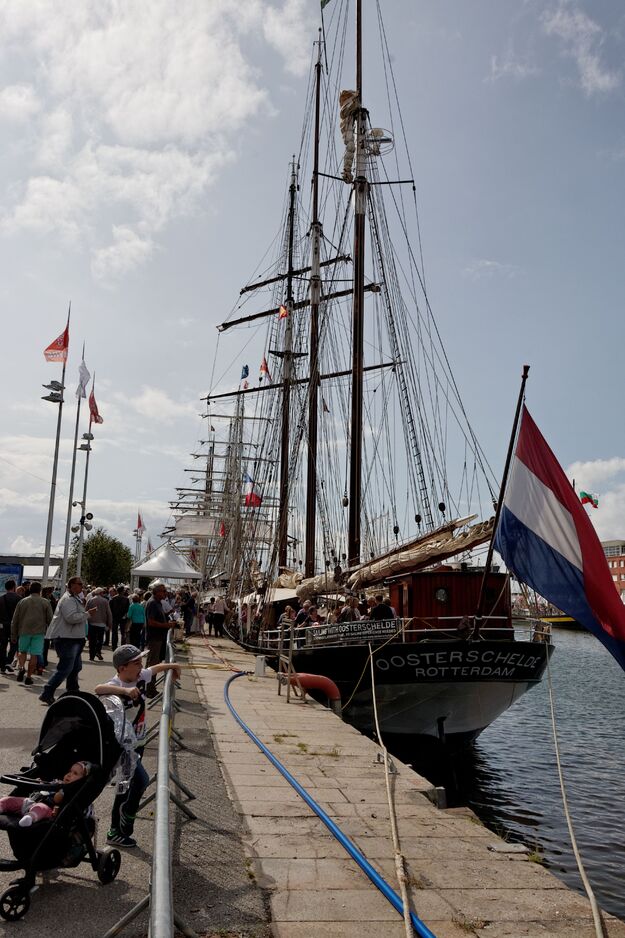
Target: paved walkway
x=463 y=879
x=213 y=890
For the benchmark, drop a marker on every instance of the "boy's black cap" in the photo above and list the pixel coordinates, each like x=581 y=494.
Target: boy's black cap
x=125 y=654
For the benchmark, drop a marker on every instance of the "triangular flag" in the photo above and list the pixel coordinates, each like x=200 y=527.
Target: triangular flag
x=325 y=407
x=140 y=525
x=57 y=350
x=83 y=380
x=283 y=312
x=222 y=530
x=264 y=369
x=246 y=385
x=93 y=409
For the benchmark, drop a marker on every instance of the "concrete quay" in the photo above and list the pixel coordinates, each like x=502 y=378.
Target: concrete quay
x=213 y=892
x=464 y=880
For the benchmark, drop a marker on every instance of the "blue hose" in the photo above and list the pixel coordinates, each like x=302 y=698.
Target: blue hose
x=421 y=929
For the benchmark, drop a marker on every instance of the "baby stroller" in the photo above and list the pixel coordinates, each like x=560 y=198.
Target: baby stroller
x=75 y=728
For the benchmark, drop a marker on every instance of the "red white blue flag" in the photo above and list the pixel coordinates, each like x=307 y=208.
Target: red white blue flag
x=252 y=498
x=547 y=540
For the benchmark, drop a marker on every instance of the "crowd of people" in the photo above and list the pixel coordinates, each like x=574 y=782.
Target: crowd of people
x=32 y=618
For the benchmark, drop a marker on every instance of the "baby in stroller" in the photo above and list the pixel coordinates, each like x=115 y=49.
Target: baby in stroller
x=77 y=744
x=43 y=804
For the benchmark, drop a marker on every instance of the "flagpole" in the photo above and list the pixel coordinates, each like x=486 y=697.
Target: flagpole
x=55 y=463
x=81 y=536
x=504 y=482
x=68 y=523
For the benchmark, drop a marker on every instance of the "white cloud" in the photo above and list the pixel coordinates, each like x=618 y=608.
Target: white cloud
x=135 y=109
x=595 y=473
x=155 y=404
x=582 y=38
x=509 y=66
x=127 y=251
x=18 y=103
x=484 y=269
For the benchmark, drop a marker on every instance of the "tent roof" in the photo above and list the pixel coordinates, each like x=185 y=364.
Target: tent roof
x=166 y=562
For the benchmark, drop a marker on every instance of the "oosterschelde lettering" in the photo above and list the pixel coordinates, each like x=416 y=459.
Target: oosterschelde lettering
x=473 y=663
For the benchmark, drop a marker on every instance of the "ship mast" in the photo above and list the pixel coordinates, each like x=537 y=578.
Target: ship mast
x=313 y=387
x=361 y=192
x=287 y=355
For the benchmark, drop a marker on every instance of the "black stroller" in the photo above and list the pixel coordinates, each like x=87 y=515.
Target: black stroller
x=75 y=728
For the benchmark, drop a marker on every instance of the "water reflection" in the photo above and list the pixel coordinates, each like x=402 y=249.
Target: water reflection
x=509 y=777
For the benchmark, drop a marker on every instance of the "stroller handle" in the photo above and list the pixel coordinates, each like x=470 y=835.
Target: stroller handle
x=34 y=783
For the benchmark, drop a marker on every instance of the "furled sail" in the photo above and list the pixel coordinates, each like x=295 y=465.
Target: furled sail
x=434 y=547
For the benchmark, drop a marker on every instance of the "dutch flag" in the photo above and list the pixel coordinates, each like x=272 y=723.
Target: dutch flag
x=547 y=540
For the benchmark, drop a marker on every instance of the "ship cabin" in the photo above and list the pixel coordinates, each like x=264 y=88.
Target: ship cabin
x=446 y=599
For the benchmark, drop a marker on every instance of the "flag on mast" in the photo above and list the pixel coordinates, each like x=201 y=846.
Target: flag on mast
x=222 y=530
x=57 y=350
x=83 y=380
x=264 y=369
x=140 y=524
x=244 y=372
x=587 y=498
x=252 y=498
x=150 y=548
x=93 y=409
x=283 y=313
x=548 y=541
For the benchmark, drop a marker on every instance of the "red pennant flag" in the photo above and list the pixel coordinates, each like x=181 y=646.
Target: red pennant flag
x=222 y=530
x=264 y=369
x=57 y=350
x=140 y=525
x=93 y=409
x=283 y=312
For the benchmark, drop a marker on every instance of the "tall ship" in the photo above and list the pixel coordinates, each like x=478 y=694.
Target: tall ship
x=348 y=467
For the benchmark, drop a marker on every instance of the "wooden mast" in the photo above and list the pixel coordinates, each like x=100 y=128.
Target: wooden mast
x=287 y=356
x=315 y=297
x=361 y=191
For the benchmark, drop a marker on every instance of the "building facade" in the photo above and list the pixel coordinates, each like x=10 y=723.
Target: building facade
x=615 y=555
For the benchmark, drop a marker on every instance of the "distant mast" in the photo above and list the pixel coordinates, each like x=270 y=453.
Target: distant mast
x=287 y=355
x=316 y=231
x=361 y=192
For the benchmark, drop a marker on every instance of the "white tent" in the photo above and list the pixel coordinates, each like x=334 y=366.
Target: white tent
x=168 y=563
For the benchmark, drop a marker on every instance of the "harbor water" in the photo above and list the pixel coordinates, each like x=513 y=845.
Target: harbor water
x=510 y=780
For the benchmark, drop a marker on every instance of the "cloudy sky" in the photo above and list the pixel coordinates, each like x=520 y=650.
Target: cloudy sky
x=144 y=156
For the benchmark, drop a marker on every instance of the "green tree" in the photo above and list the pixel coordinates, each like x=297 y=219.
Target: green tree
x=105 y=560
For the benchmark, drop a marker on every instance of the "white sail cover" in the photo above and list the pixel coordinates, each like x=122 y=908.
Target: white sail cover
x=196 y=526
x=166 y=562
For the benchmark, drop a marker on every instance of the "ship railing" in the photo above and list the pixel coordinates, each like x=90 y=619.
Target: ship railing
x=363 y=631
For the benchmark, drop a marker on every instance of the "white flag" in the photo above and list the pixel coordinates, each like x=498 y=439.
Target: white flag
x=83 y=380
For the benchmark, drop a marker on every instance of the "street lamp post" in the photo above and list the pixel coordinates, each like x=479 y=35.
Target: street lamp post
x=55 y=396
x=85 y=516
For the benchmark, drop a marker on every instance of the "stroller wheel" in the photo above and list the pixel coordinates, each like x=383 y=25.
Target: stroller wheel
x=14 y=903
x=109 y=862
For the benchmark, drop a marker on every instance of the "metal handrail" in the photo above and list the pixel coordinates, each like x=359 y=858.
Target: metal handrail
x=161 y=891
x=159 y=900
x=311 y=636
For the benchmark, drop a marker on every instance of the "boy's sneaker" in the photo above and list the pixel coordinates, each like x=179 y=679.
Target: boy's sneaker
x=116 y=839
x=21 y=674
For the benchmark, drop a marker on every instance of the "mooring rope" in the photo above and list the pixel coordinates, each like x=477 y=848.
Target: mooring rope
x=400 y=862
x=600 y=926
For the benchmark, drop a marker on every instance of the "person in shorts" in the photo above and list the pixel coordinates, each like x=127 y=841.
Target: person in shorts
x=30 y=621
x=129 y=683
